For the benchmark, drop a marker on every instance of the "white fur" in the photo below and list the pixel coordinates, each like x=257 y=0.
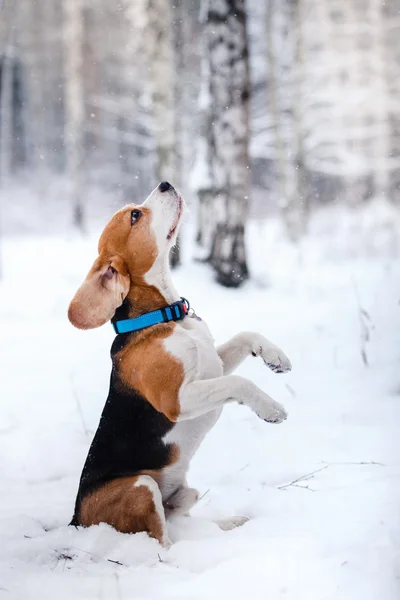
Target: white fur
x=164 y=208
x=206 y=389
x=207 y=383
x=147 y=481
x=160 y=277
x=181 y=501
x=167 y=209
x=244 y=344
x=192 y=340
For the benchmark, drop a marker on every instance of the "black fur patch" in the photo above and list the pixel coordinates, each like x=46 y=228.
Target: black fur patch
x=128 y=438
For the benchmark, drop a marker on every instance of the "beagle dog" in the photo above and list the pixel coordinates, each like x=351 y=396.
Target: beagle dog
x=169 y=382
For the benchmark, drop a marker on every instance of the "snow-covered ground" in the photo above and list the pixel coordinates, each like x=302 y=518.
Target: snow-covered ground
x=322 y=490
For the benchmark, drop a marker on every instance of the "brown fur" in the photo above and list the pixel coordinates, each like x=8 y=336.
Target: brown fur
x=130 y=252
x=99 y=295
x=146 y=366
x=143 y=363
x=128 y=508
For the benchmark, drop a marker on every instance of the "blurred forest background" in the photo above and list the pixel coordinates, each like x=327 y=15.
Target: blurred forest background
x=254 y=110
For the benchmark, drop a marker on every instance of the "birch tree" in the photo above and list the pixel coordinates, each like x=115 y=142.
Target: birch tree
x=6 y=52
x=74 y=105
x=6 y=95
x=162 y=63
x=353 y=95
x=226 y=146
x=202 y=176
x=286 y=78
x=390 y=62
x=155 y=47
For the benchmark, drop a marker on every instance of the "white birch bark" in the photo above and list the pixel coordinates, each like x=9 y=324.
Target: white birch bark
x=6 y=114
x=157 y=43
x=74 y=105
x=162 y=81
x=273 y=100
x=6 y=82
x=6 y=91
x=286 y=83
x=202 y=175
x=380 y=104
x=391 y=50
x=227 y=53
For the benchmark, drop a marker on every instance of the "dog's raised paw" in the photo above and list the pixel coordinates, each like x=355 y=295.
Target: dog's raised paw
x=274 y=358
x=274 y=413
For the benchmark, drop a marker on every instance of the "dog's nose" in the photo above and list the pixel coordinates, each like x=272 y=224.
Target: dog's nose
x=164 y=186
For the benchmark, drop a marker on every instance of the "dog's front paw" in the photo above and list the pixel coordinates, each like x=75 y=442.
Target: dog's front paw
x=273 y=357
x=273 y=412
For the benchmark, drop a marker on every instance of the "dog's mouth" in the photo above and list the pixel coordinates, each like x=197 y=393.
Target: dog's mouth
x=174 y=227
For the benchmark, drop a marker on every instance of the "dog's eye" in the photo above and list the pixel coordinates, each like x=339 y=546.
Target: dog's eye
x=135 y=216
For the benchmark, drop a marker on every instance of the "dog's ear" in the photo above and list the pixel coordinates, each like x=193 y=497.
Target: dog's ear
x=103 y=291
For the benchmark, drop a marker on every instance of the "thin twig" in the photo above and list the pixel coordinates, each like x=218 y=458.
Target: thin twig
x=305 y=477
x=117 y=562
x=308 y=476
x=205 y=494
x=303 y=487
x=371 y=462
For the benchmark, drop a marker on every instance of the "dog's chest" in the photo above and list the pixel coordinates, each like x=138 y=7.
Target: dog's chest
x=194 y=346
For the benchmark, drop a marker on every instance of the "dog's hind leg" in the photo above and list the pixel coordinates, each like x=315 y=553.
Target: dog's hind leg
x=181 y=501
x=156 y=520
x=130 y=505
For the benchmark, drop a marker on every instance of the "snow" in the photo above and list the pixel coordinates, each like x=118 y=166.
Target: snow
x=333 y=534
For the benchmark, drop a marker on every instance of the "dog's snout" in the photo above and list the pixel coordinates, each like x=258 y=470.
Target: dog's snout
x=164 y=186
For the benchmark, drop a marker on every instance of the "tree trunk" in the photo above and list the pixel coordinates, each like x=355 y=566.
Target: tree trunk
x=74 y=106
x=380 y=147
x=163 y=86
x=299 y=194
x=179 y=105
x=6 y=99
x=229 y=85
x=6 y=95
x=6 y=115
x=273 y=101
x=285 y=54
x=202 y=176
x=391 y=23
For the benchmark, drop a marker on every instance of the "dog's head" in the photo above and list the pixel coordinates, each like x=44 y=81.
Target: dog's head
x=133 y=240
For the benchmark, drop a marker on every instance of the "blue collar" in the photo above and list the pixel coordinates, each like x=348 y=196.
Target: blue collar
x=173 y=312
